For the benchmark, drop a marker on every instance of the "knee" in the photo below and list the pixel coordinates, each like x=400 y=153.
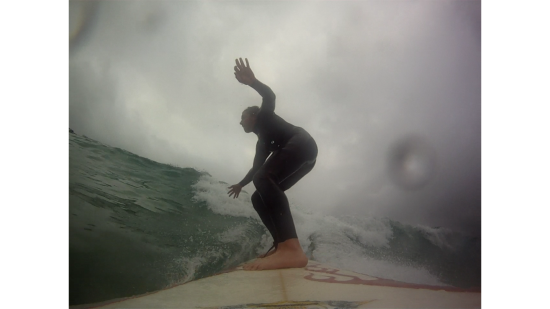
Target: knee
x=257 y=201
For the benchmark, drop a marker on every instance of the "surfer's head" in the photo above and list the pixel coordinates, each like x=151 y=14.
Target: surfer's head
x=248 y=118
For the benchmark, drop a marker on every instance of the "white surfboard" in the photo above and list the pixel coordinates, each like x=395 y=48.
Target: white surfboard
x=315 y=286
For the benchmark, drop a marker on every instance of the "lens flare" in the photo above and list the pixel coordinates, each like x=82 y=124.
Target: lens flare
x=82 y=15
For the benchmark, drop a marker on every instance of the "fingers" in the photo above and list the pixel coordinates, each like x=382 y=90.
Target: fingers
x=240 y=64
x=243 y=73
x=238 y=73
x=233 y=192
x=235 y=195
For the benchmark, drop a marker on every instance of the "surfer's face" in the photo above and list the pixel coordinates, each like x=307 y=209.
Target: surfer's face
x=248 y=121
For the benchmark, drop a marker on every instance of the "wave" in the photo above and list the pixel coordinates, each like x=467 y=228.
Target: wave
x=137 y=226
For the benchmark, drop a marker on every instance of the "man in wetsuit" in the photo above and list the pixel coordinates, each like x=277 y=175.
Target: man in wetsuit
x=293 y=154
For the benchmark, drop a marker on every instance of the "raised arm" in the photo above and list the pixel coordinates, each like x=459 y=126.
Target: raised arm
x=244 y=74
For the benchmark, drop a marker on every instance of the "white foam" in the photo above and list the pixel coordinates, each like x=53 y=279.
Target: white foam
x=366 y=230
x=214 y=193
x=336 y=241
x=342 y=244
x=362 y=264
x=189 y=266
x=441 y=237
x=234 y=234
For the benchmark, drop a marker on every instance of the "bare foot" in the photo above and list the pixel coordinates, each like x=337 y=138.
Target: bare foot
x=289 y=254
x=268 y=253
x=249 y=266
x=261 y=256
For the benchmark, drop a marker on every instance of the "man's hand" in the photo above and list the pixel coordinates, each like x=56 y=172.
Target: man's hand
x=243 y=73
x=235 y=190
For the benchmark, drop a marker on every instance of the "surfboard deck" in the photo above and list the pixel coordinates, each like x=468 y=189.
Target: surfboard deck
x=315 y=286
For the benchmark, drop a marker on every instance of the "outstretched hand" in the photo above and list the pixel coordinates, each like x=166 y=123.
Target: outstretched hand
x=235 y=190
x=243 y=73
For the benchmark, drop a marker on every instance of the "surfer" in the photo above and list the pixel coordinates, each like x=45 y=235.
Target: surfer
x=293 y=155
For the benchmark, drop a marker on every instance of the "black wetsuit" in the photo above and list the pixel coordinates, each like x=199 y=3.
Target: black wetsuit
x=294 y=153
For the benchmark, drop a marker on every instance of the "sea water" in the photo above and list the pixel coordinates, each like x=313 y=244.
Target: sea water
x=136 y=226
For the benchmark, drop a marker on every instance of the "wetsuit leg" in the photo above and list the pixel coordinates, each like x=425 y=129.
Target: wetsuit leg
x=262 y=209
x=293 y=179
x=296 y=158
x=264 y=214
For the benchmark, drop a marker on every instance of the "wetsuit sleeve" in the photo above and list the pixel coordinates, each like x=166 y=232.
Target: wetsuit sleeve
x=268 y=102
x=259 y=159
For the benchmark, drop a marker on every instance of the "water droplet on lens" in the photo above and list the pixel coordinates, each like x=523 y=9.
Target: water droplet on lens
x=411 y=163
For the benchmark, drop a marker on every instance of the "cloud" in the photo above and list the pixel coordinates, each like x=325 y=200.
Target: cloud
x=156 y=78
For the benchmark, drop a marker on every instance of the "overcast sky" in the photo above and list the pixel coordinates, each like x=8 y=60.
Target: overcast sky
x=367 y=79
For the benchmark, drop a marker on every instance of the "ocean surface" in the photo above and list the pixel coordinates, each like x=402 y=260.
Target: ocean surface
x=137 y=226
